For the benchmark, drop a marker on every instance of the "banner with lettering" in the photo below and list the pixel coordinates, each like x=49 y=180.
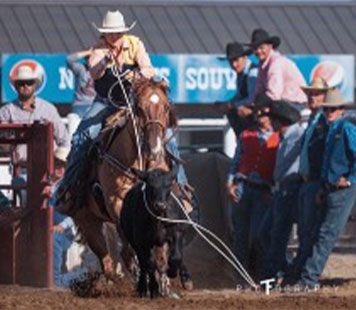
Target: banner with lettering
x=192 y=78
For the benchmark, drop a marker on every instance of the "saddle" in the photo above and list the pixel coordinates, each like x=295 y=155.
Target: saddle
x=116 y=120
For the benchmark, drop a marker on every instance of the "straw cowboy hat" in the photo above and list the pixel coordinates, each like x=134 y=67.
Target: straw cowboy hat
x=261 y=36
x=334 y=99
x=317 y=83
x=61 y=153
x=235 y=50
x=25 y=73
x=114 y=22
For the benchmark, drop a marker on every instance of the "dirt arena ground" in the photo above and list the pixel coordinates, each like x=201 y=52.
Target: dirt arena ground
x=338 y=292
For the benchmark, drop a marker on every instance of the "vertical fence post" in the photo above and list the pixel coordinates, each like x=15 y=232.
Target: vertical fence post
x=35 y=256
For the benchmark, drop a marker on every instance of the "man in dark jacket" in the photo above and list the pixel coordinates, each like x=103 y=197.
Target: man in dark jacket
x=238 y=113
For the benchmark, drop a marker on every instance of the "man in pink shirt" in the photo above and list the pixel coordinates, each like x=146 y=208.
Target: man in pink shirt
x=278 y=78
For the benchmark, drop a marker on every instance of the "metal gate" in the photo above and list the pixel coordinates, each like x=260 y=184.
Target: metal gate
x=26 y=237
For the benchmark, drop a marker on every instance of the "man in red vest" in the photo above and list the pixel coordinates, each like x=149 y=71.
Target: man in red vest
x=249 y=184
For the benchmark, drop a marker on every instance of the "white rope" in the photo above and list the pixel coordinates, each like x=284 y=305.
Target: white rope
x=237 y=265
x=116 y=73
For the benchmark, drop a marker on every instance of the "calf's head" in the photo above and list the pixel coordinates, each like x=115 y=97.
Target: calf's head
x=158 y=188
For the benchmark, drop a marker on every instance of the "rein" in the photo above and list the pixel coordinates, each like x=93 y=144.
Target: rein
x=154 y=122
x=129 y=106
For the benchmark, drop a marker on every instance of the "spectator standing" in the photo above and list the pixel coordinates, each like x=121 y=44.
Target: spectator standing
x=249 y=184
x=338 y=176
x=278 y=77
x=286 y=120
x=239 y=115
x=310 y=169
x=28 y=108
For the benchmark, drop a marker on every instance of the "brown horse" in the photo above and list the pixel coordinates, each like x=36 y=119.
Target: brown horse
x=139 y=144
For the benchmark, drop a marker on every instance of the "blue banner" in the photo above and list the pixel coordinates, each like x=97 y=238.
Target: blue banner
x=193 y=78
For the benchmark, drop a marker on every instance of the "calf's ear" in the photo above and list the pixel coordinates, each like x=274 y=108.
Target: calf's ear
x=142 y=175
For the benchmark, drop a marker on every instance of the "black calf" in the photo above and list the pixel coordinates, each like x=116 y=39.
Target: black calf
x=158 y=244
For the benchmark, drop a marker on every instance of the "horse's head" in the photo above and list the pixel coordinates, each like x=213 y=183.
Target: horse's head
x=153 y=110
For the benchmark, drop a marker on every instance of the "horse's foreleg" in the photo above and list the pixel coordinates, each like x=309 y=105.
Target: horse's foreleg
x=92 y=229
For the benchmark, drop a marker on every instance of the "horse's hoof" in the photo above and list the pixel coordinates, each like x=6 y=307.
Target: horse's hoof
x=188 y=285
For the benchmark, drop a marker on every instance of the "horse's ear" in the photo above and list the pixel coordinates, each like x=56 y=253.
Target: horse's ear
x=163 y=85
x=142 y=175
x=173 y=122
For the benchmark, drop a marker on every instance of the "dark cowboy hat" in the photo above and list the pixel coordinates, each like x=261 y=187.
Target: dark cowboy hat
x=284 y=111
x=261 y=36
x=235 y=50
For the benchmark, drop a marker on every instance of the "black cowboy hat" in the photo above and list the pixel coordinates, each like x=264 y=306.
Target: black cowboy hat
x=284 y=111
x=261 y=36
x=235 y=50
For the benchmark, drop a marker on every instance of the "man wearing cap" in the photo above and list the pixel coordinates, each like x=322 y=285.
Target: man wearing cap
x=28 y=108
x=338 y=176
x=278 y=223
x=251 y=175
x=310 y=168
x=278 y=77
x=239 y=115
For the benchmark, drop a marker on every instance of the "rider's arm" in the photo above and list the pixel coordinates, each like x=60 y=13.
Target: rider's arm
x=143 y=61
x=98 y=61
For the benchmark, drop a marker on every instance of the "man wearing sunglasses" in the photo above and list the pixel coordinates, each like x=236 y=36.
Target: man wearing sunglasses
x=28 y=108
x=338 y=176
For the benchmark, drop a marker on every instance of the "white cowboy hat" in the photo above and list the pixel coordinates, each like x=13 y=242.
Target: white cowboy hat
x=26 y=73
x=61 y=153
x=335 y=99
x=114 y=22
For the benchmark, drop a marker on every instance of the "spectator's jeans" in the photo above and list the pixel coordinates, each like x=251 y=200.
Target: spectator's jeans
x=338 y=207
x=88 y=129
x=61 y=245
x=284 y=209
x=308 y=212
x=246 y=220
